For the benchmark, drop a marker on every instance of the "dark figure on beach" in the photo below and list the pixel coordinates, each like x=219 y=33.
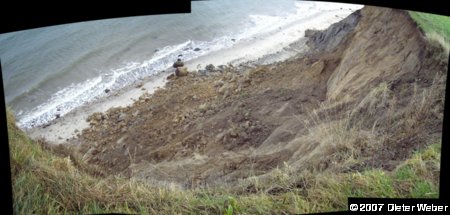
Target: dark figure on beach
x=177 y=64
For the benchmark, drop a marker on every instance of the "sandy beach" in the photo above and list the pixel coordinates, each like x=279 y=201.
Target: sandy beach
x=68 y=126
x=274 y=43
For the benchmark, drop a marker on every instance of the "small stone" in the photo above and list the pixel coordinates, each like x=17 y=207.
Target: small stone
x=210 y=68
x=233 y=133
x=223 y=89
x=121 y=117
x=226 y=94
x=218 y=83
x=203 y=107
x=181 y=71
x=197 y=49
x=220 y=136
x=244 y=136
x=246 y=124
x=233 y=78
x=246 y=115
x=98 y=117
x=107 y=90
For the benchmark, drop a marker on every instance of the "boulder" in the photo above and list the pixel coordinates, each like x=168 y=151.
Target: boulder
x=122 y=117
x=178 y=63
x=181 y=71
x=210 y=68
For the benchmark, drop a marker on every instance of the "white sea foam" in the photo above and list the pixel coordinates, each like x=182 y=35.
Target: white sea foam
x=75 y=95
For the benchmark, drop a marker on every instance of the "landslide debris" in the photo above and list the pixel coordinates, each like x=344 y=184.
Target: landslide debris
x=368 y=93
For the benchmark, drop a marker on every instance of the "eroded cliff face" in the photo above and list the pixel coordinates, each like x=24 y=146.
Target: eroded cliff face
x=370 y=91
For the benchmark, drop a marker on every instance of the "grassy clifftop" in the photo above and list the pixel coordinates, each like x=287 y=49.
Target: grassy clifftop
x=437 y=27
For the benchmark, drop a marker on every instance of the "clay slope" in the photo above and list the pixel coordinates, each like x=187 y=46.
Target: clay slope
x=370 y=91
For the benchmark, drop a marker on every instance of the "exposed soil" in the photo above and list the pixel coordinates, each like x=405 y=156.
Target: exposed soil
x=203 y=130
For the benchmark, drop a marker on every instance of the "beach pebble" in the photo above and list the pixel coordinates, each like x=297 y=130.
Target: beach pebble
x=121 y=117
x=197 y=49
x=107 y=90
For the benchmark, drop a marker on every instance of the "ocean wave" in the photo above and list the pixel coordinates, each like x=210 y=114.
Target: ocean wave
x=78 y=94
x=75 y=95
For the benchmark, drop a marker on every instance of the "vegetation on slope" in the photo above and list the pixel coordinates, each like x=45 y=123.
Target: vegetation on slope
x=437 y=27
x=397 y=116
x=44 y=183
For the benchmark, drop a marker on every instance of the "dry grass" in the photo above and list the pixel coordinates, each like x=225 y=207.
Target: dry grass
x=44 y=183
x=436 y=38
x=47 y=184
x=436 y=28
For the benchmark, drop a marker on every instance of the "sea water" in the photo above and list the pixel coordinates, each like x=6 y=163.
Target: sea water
x=50 y=71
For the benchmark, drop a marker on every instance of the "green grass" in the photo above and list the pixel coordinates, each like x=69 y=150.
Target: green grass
x=436 y=27
x=44 y=183
x=433 y=23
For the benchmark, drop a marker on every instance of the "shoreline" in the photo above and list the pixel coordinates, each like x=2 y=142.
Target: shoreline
x=273 y=43
x=264 y=49
x=68 y=126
